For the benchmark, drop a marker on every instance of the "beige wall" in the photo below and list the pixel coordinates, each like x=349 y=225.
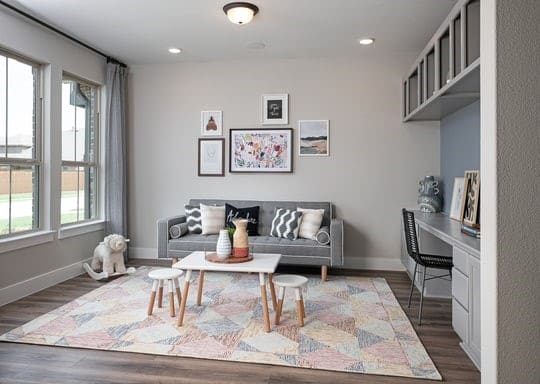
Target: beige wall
x=375 y=160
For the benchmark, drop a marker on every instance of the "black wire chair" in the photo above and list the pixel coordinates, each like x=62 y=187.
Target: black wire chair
x=425 y=260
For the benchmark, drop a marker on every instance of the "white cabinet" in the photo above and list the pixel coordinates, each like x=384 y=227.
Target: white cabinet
x=466 y=302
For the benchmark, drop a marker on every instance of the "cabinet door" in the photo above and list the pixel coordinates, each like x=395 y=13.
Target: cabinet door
x=474 y=306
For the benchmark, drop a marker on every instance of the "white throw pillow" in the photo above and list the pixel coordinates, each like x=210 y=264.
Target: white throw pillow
x=213 y=219
x=311 y=222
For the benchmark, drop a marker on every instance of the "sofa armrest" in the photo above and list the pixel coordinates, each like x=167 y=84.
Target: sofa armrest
x=336 y=242
x=163 y=226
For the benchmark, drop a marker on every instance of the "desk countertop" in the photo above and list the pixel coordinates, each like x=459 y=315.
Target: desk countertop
x=448 y=230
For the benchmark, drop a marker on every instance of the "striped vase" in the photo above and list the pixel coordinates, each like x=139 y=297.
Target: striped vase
x=223 y=247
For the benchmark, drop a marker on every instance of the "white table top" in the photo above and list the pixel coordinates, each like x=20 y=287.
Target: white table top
x=261 y=263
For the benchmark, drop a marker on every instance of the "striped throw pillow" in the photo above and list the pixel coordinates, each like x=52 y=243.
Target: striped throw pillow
x=213 y=219
x=286 y=223
x=311 y=222
x=193 y=218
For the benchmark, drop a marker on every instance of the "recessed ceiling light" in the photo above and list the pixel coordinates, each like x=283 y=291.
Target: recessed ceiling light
x=256 y=45
x=240 y=12
x=366 y=41
x=175 y=51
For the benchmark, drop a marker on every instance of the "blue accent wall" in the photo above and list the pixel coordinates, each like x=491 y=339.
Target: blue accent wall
x=460 y=147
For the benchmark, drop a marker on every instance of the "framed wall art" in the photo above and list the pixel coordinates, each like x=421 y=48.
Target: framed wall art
x=261 y=150
x=211 y=157
x=456 y=207
x=211 y=123
x=471 y=191
x=275 y=109
x=313 y=138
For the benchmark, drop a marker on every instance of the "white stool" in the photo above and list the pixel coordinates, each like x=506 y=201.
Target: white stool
x=170 y=276
x=291 y=281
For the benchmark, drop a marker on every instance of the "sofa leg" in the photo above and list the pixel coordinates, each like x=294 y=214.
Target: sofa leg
x=324 y=272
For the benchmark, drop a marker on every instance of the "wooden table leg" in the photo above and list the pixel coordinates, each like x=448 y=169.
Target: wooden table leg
x=184 y=298
x=272 y=291
x=171 y=297
x=152 y=297
x=199 y=292
x=264 y=300
x=178 y=292
x=160 y=294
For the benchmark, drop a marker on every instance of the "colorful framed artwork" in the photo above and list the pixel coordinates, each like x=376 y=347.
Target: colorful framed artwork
x=261 y=150
x=211 y=157
x=275 y=109
x=211 y=123
x=471 y=198
x=456 y=207
x=313 y=138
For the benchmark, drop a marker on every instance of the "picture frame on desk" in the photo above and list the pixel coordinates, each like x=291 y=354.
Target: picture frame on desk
x=471 y=192
x=458 y=199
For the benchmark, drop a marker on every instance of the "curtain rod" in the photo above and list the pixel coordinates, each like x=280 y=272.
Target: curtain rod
x=56 y=30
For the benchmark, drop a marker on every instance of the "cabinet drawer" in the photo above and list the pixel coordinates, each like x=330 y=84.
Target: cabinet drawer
x=460 y=288
x=460 y=321
x=461 y=260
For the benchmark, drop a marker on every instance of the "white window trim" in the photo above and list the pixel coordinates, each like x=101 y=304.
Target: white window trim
x=31 y=239
x=81 y=228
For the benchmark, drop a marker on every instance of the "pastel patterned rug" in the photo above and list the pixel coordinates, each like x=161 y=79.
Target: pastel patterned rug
x=353 y=324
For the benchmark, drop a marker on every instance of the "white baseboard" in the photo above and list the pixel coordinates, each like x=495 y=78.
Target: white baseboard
x=374 y=263
x=35 y=284
x=143 y=253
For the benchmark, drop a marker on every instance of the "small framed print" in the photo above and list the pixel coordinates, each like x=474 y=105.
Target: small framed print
x=313 y=138
x=456 y=208
x=275 y=109
x=211 y=157
x=471 y=198
x=211 y=123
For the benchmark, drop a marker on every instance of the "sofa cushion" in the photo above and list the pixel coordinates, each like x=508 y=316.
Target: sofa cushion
x=300 y=247
x=311 y=222
x=193 y=217
x=286 y=223
x=212 y=218
x=194 y=242
x=251 y=214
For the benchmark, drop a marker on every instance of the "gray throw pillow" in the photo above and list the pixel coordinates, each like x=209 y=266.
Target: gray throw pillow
x=193 y=218
x=286 y=223
x=323 y=236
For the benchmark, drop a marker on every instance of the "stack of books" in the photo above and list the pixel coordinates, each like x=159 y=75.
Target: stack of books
x=470 y=231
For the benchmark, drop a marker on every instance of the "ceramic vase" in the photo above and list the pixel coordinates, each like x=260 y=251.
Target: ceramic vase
x=223 y=246
x=240 y=239
x=430 y=198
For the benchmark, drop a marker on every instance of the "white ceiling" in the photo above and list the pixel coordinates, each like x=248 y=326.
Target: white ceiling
x=140 y=31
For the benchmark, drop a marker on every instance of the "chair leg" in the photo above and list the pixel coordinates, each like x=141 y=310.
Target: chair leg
x=412 y=284
x=160 y=294
x=299 y=305
x=178 y=292
x=422 y=297
x=171 y=297
x=281 y=295
x=152 y=297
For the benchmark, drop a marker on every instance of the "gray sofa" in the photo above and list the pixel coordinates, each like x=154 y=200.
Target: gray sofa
x=297 y=252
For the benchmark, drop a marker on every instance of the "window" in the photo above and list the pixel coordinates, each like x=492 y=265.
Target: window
x=20 y=144
x=80 y=120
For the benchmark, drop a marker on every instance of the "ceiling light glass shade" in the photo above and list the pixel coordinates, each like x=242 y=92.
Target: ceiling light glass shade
x=240 y=13
x=367 y=41
x=175 y=50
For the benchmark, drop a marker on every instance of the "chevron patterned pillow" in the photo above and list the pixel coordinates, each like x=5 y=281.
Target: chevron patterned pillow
x=193 y=218
x=286 y=223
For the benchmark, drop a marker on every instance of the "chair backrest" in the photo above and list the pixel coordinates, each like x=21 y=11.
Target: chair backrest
x=409 y=226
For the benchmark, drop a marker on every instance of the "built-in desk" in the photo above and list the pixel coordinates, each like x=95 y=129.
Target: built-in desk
x=438 y=234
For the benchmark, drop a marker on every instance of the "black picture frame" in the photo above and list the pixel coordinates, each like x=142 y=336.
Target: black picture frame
x=222 y=172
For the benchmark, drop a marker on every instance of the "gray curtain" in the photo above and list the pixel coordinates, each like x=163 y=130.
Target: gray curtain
x=116 y=151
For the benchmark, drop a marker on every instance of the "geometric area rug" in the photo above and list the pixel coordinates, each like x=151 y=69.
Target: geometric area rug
x=353 y=324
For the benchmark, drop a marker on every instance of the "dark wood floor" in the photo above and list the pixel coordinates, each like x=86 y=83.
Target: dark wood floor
x=20 y=363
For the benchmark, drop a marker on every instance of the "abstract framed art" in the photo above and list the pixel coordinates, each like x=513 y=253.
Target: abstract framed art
x=261 y=150
x=211 y=157
x=275 y=109
x=313 y=138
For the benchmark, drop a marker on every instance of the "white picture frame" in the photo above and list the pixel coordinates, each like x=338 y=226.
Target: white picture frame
x=314 y=138
x=211 y=123
x=275 y=109
x=456 y=207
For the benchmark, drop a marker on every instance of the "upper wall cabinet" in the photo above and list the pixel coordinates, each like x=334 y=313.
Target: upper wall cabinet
x=446 y=75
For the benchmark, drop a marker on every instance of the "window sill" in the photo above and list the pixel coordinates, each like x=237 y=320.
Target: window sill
x=81 y=229
x=27 y=240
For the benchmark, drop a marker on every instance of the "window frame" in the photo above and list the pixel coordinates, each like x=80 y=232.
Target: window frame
x=66 y=76
x=37 y=159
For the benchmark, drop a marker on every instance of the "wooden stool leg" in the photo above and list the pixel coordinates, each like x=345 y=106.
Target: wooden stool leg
x=303 y=306
x=264 y=303
x=279 y=304
x=299 y=304
x=160 y=294
x=178 y=292
x=171 y=297
x=184 y=299
x=272 y=291
x=199 y=292
x=152 y=297
x=324 y=272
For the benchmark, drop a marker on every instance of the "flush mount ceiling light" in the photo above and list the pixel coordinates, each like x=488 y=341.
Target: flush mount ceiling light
x=240 y=13
x=367 y=41
x=175 y=51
